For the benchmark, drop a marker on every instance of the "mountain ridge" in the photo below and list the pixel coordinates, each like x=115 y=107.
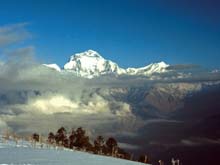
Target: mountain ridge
x=90 y=64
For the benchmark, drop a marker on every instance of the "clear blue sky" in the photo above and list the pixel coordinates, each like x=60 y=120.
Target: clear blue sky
x=129 y=32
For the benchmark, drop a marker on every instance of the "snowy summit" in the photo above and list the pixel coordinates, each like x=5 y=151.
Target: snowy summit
x=90 y=64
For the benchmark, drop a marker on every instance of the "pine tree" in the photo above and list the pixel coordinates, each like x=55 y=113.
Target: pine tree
x=51 y=138
x=72 y=138
x=99 y=144
x=36 y=137
x=112 y=146
x=61 y=137
x=82 y=141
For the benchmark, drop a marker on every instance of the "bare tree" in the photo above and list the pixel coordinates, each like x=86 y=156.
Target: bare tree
x=143 y=159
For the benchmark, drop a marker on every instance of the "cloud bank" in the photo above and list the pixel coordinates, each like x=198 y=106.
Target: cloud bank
x=35 y=98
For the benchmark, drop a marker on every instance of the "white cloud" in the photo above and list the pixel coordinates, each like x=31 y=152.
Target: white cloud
x=14 y=33
x=128 y=146
x=36 y=98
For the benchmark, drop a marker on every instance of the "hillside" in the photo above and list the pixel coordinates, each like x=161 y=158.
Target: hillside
x=24 y=154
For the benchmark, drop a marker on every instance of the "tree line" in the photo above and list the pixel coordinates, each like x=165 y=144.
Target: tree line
x=78 y=140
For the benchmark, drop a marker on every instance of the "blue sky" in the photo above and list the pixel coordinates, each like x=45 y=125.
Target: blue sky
x=129 y=32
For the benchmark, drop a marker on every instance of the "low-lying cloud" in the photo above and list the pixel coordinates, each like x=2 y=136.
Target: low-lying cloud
x=35 y=98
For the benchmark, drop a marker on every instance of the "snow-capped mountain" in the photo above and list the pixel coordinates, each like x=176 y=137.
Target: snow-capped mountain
x=53 y=66
x=149 y=69
x=91 y=64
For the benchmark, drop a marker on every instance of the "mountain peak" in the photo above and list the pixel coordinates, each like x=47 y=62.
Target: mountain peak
x=91 y=64
x=162 y=63
x=89 y=53
x=92 y=52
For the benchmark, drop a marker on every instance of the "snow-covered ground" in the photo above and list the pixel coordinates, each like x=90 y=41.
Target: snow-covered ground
x=24 y=154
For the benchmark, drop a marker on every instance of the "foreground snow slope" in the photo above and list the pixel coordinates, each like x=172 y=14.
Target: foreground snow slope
x=24 y=154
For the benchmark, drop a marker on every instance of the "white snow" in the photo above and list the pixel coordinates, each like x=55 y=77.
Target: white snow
x=53 y=66
x=23 y=154
x=149 y=69
x=91 y=64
